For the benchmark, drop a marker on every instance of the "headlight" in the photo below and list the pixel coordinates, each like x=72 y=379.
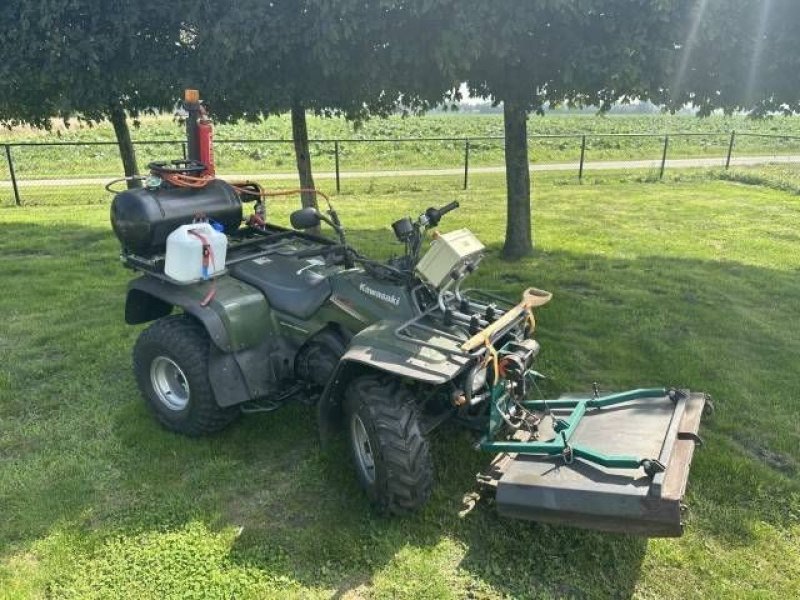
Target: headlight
x=476 y=379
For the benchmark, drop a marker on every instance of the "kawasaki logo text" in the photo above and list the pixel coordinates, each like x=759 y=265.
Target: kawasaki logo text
x=390 y=298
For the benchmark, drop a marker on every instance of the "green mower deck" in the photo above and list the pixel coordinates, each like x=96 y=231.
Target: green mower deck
x=568 y=488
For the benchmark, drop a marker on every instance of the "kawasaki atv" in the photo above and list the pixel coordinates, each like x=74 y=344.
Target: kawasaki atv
x=387 y=351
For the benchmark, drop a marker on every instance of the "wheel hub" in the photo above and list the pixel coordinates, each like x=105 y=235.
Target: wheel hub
x=363 y=449
x=169 y=383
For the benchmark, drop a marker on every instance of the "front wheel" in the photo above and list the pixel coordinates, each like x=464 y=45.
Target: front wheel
x=170 y=361
x=391 y=455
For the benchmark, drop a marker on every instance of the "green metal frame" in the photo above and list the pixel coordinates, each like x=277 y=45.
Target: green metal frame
x=565 y=428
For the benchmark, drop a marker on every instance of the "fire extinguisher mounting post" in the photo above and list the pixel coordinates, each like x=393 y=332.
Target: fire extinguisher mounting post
x=191 y=102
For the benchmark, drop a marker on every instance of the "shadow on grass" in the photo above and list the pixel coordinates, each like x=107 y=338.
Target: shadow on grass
x=83 y=454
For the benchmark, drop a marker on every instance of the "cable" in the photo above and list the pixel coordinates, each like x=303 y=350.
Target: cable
x=265 y=194
x=114 y=181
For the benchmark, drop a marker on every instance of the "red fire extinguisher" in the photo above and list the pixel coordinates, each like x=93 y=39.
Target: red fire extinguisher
x=205 y=139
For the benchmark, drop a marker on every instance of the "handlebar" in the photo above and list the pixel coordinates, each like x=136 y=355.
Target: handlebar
x=434 y=215
x=448 y=207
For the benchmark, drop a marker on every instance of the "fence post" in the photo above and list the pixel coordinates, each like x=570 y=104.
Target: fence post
x=730 y=150
x=583 y=155
x=664 y=156
x=336 y=159
x=466 y=163
x=13 y=175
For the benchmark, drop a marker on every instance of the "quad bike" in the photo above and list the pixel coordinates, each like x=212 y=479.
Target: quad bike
x=387 y=351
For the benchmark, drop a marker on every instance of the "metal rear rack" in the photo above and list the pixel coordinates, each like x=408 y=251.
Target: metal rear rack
x=243 y=246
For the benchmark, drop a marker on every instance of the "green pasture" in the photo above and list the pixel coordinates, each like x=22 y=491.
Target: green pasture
x=249 y=157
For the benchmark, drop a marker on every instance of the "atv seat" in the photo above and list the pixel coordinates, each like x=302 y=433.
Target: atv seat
x=297 y=294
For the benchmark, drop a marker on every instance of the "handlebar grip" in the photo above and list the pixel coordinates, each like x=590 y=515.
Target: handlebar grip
x=447 y=208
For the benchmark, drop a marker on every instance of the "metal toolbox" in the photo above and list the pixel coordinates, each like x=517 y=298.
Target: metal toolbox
x=448 y=252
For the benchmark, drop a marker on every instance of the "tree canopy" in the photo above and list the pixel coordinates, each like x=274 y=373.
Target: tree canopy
x=91 y=59
x=737 y=55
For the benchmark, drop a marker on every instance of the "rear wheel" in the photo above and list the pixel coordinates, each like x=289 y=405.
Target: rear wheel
x=391 y=455
x=170 y=361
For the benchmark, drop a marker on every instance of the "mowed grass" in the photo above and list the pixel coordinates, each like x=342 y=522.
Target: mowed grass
x=233 y=155
x=688 y=283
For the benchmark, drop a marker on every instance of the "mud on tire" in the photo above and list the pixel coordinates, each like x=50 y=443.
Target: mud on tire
x=170 y=362
x=382 y=424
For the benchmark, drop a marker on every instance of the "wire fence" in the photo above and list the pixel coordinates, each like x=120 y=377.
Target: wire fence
x=43 y=172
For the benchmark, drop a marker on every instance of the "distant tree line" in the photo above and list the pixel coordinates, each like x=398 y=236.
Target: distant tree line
x=488 y=108
x=114 y=60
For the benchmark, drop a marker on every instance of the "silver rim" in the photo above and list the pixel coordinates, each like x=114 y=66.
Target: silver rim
x=362 y=448
x=169 y=383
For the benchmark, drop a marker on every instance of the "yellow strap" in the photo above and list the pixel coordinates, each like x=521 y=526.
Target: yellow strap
x=531 y=320
x=495 y=361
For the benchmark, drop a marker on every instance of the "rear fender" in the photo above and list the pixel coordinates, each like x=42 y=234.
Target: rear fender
x=244 y=358
x=378 y=349
x=236 y=319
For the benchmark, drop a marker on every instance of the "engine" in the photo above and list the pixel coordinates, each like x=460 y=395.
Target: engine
x=318 y=358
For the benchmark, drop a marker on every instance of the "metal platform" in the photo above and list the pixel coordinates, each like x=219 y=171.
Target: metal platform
x=585 y=494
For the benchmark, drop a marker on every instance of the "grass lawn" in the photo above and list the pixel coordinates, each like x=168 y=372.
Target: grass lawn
x=689 y=283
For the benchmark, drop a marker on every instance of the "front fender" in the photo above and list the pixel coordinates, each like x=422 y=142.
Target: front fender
x=378 y=348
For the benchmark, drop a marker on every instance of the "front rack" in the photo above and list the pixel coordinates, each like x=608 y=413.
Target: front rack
x=433 y=326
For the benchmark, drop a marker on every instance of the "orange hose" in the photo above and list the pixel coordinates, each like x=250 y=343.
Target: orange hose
x=197 y=182
x=188 y=181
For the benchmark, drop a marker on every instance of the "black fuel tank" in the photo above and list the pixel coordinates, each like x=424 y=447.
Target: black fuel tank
x=143 y=218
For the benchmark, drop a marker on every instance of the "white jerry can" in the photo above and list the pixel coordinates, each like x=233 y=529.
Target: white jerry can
x=195 y=252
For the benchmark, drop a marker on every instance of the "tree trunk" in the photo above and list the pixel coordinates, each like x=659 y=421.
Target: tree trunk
x=519 y=241
x=126 y=150
x=302 y=154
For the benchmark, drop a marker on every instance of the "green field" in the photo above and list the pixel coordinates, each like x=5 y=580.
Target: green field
x=52 y=162
x=692 y=282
